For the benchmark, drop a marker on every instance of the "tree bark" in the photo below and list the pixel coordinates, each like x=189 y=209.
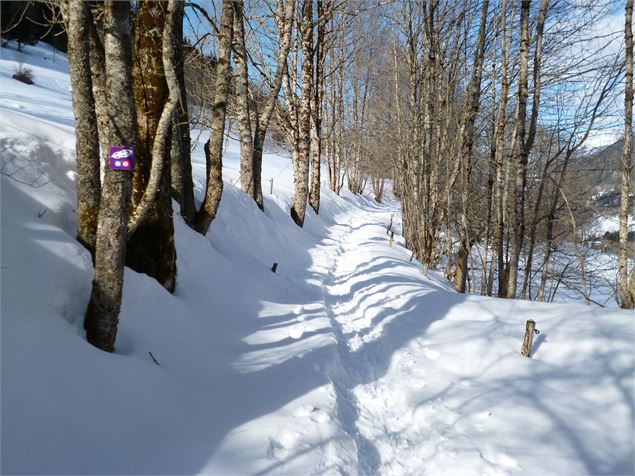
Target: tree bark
x=474 y=94
x=524 y=141
x=316 y=112
x=247 y=177
x=98 y=75
x=180 y=158
x=78 y=19
x=105 y=301
x=214 y=146
x=301 y=164
x=626 y=291
x=285 y=15
x=151 y=247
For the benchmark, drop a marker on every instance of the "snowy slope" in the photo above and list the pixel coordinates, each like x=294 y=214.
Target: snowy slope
x=346 y=361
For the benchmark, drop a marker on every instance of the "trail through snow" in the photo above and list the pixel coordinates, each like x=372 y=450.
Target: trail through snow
x=346 y=361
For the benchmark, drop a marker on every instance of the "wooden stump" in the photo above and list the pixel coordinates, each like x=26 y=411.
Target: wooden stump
x=530 y=328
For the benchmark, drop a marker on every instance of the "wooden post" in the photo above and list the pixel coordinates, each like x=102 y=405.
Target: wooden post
x=274 y=267
x=271 y=186
x=530 y=328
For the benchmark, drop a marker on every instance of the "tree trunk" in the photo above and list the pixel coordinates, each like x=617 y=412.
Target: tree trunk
x=301 y=164
x=524 y=142
x=150 y=247
x=285 y=17
x=98 y=76
x=78 y=19
x=316 y=123
x=180 y=158
x=474 y=94
x=214 y=146
x=105 y=301
x=242 y=99
x=626 y=292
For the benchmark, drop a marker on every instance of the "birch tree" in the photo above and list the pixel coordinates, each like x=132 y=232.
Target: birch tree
x=626 y=289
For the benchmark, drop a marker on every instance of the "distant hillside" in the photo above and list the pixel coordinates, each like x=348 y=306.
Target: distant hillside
x=605 y=164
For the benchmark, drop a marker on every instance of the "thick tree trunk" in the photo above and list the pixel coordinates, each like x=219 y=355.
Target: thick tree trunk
x=151 y=247
x=626 y=291
x=78 y=19
x=105 y=301
x=214 y=146
x=180 y=158
x=301 y=162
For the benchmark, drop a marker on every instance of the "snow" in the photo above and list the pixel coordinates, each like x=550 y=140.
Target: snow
x=347 y=360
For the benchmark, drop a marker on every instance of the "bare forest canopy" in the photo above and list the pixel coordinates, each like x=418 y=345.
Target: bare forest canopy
x=482 y=117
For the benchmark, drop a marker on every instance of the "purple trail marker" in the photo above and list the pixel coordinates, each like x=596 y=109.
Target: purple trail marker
x=121 y=158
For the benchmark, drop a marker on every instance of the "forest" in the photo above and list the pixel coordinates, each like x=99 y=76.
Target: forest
x=441 y=155
x=475 y=115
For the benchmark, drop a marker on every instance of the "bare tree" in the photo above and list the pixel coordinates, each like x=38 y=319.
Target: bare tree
x=472 y=108
x=105 y=300
x=78 y=19
x=180 y=159
x=523 y=140
x=301 y=159
x=214 y=146
x=626 y=290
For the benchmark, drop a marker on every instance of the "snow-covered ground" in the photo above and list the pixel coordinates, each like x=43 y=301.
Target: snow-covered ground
x=347 y=360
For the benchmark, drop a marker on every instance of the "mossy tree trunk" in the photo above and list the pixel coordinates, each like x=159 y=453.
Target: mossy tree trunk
x=151 y=246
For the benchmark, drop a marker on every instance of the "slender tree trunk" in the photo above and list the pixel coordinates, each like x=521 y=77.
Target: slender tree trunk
x=497 y=252
x=180 y=158
x=467 y=152
x=524 y=142
x=301 y=165
x=285 y=16
x=214 y=146
x=626 y=290
x=242 y=99
x=105 y=301
x=316 y=123
x=78 y=19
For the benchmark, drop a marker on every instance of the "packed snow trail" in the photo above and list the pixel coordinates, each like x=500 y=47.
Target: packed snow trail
x=420 y=395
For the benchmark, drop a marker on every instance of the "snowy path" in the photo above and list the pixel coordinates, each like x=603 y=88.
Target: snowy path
x=418 y=395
